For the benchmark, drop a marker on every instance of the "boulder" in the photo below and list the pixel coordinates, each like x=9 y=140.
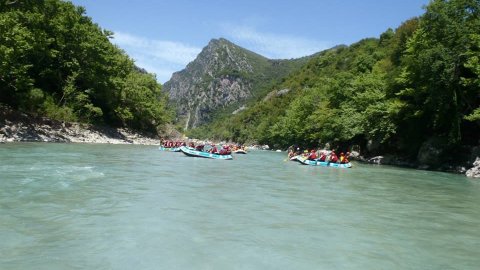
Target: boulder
x=475 y=171
x=354 y=155
x=376 y=160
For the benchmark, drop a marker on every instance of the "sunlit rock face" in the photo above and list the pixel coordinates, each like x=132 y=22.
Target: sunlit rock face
x=222 y=75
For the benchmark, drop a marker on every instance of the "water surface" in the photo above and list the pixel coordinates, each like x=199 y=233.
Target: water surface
x=81 y=206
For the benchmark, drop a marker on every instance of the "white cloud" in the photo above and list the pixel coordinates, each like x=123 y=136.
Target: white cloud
x=274 y=46
x=157 y=56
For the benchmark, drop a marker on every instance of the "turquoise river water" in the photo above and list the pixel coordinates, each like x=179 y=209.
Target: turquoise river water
x=84 y=206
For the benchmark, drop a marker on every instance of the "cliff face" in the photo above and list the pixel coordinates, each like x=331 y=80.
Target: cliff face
x=222 y=75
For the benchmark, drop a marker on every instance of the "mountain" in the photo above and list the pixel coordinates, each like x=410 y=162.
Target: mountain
x=223 y=78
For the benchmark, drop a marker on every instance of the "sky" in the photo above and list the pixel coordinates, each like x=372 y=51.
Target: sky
x=163 y=36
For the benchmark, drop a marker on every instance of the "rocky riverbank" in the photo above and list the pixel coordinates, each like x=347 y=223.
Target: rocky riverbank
x=466 y=169
x=20 y=127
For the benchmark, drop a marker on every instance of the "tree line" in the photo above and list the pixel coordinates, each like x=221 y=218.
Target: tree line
x=55 y=62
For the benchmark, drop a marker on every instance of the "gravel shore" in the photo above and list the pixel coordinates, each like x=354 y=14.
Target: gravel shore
x=20 y=127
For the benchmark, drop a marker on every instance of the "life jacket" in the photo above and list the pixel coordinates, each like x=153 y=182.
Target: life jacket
x=323 y=157
x=312 y=156
x=333 y=158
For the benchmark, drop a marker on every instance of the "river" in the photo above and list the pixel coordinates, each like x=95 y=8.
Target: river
x=87 y=206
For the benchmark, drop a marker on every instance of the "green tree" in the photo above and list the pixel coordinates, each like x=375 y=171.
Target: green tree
x=439 y=69
x=55 y=61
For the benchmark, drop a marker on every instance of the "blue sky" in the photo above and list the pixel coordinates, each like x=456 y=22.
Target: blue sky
x=164 y=36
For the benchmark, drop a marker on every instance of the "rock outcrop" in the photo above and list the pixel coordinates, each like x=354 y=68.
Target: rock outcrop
x=475 y=171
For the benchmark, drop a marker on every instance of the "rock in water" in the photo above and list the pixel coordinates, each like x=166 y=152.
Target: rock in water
x=475 y=171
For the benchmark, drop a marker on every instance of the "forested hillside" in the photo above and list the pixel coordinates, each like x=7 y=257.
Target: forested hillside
x=55 y=62
x=414 y=87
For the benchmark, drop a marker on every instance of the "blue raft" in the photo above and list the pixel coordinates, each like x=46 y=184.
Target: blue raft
x=169 y=149
x=194 y=153
x=305 y=161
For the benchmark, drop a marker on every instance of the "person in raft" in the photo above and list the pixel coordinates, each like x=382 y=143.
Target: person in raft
x=345 y=158
x=333 y=157
x=291 y=153
x=225 y=150
x=213 y=150
x=312 y=155
x=323 y=156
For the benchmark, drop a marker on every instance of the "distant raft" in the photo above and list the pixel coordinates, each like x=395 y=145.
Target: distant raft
x=169 y=149
x=239 y=151
x=305 y=161
x=194 y=153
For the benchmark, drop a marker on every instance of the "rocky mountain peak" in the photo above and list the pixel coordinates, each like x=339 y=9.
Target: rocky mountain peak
x=222 y=75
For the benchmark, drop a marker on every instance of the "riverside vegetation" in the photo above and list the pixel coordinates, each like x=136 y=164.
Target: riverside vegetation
x=55 y=62
x=412 y=93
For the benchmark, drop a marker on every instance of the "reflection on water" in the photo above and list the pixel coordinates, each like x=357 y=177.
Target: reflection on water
x=69 y=206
